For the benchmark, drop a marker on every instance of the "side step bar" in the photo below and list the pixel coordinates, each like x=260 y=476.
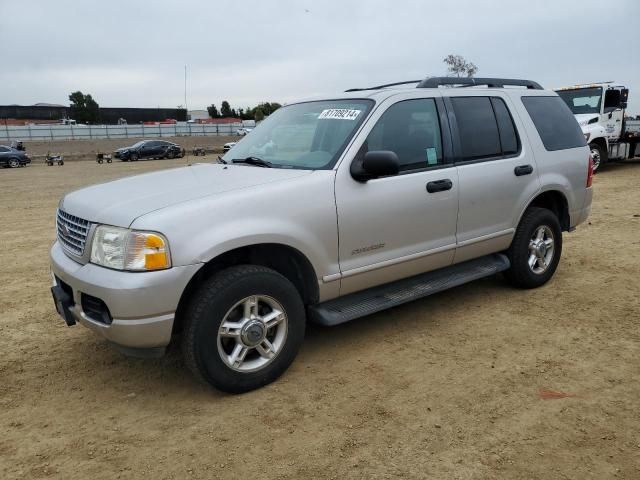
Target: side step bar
x=372 y=300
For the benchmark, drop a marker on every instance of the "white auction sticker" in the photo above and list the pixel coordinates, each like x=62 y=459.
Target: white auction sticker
x=339 y=114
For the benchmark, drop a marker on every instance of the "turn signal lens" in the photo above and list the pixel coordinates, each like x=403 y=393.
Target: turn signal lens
x=147 y=251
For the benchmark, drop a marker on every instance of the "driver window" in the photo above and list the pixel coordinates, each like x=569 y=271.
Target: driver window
x=411 y=129
x=611 y=100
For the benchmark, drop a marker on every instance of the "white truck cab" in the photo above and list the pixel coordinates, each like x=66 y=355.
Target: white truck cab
x=599 y=109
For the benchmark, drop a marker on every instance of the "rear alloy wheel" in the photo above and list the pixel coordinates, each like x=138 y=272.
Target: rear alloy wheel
x=535 y=250
x=596 y=155
x=244 y=327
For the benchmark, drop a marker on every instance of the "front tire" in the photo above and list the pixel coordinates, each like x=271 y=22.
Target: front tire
x=133 y=157
x=13 y=163
x=597 y=155
x=244 y=326
x=535 y=250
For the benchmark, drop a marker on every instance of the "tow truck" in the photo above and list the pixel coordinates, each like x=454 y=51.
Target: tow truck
x=599 y=109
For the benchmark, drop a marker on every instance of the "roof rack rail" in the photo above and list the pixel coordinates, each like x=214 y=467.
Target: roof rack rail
x=435 y=82
x=383 y=86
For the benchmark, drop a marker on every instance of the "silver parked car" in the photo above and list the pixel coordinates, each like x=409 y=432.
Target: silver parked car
x=331 y=209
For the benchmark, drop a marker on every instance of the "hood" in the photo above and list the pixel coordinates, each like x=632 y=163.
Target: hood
x=120 y=202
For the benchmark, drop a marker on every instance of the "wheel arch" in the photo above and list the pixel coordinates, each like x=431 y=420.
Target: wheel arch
x=284 y=259
x=555 y=201
x=604 y=148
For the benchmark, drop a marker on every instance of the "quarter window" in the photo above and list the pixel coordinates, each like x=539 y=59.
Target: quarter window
x=411 y=129
x=555 y=123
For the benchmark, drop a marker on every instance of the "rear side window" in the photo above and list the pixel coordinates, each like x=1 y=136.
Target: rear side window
x=555 y=123
x=477 y=127
x=508 y=136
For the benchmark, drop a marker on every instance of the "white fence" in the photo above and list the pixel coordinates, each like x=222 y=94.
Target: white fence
x=78 y=132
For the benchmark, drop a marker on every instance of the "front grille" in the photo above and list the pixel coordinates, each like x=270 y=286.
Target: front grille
x=72 y=232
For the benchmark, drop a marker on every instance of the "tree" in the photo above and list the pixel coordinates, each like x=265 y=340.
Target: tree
x=213 y=111
x=258 y=114
x=225 y=109
x=84 y=108
x=459 y=67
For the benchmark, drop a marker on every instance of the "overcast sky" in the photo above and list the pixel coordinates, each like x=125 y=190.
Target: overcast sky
x=133 y=53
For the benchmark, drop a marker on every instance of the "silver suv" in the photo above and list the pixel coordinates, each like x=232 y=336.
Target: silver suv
x=330 y=210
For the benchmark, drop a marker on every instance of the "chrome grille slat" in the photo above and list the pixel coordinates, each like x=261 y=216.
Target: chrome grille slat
x=75 y=230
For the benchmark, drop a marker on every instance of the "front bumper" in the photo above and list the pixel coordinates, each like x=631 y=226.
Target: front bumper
x=142 y=304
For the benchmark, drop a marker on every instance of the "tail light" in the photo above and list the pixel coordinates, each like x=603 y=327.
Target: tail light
x=590 y=172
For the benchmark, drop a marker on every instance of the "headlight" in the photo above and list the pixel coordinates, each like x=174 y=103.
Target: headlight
x=124 y=249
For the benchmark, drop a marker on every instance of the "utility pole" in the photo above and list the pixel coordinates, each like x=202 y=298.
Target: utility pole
x=185 y=90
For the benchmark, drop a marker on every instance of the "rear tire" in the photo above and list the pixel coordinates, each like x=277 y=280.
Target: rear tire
x=535 y=250
x=244 y=326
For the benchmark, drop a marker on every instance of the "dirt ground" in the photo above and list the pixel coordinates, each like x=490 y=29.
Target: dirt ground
x=461 y=385
x=87 y=149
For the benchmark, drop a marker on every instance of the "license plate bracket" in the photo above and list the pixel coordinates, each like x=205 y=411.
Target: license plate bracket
x=63 y=303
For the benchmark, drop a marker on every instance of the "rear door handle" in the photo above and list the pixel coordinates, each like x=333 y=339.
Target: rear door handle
x=523 y=170
x=439 y=185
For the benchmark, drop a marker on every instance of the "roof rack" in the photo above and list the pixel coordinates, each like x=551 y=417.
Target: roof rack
x=435 y=82
x=383 y=86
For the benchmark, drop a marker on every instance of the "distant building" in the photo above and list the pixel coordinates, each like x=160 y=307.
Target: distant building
x=46 y=113
x=196 y=115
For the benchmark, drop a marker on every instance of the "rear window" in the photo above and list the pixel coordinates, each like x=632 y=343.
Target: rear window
x=556 y=125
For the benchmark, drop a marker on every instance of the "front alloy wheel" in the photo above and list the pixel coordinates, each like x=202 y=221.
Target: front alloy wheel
x=243 y=328
x=252 y=333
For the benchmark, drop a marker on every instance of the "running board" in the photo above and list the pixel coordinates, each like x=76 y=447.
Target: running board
x=376 y=299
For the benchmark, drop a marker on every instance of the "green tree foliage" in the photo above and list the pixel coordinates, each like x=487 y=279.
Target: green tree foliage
x=84 y=108
x=459 y=67
x=258 y=112
x=225 y=109
x=213 y=111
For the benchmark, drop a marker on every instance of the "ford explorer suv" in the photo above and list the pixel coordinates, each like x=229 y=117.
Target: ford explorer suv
x=331 y=210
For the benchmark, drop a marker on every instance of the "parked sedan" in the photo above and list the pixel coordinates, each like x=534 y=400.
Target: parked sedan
x=149 y=149
x=228 y=146
x=10 y=157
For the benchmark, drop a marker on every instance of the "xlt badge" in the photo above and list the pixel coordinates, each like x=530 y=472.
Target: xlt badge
x=358 y=251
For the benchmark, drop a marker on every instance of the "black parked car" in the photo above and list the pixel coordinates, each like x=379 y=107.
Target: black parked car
x=10 y=157
x=149 y=149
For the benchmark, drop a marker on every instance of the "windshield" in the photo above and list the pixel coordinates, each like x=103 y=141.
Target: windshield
x=308 y=135
x=582 y=100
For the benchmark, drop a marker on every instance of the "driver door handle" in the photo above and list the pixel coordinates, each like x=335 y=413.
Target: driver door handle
x=439 y=185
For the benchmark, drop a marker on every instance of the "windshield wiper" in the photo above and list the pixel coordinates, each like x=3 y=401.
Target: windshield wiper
x=257 y=161
x=222 y=160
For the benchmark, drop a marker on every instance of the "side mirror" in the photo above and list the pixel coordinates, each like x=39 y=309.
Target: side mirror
x=375 y=164
x=624 y=98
